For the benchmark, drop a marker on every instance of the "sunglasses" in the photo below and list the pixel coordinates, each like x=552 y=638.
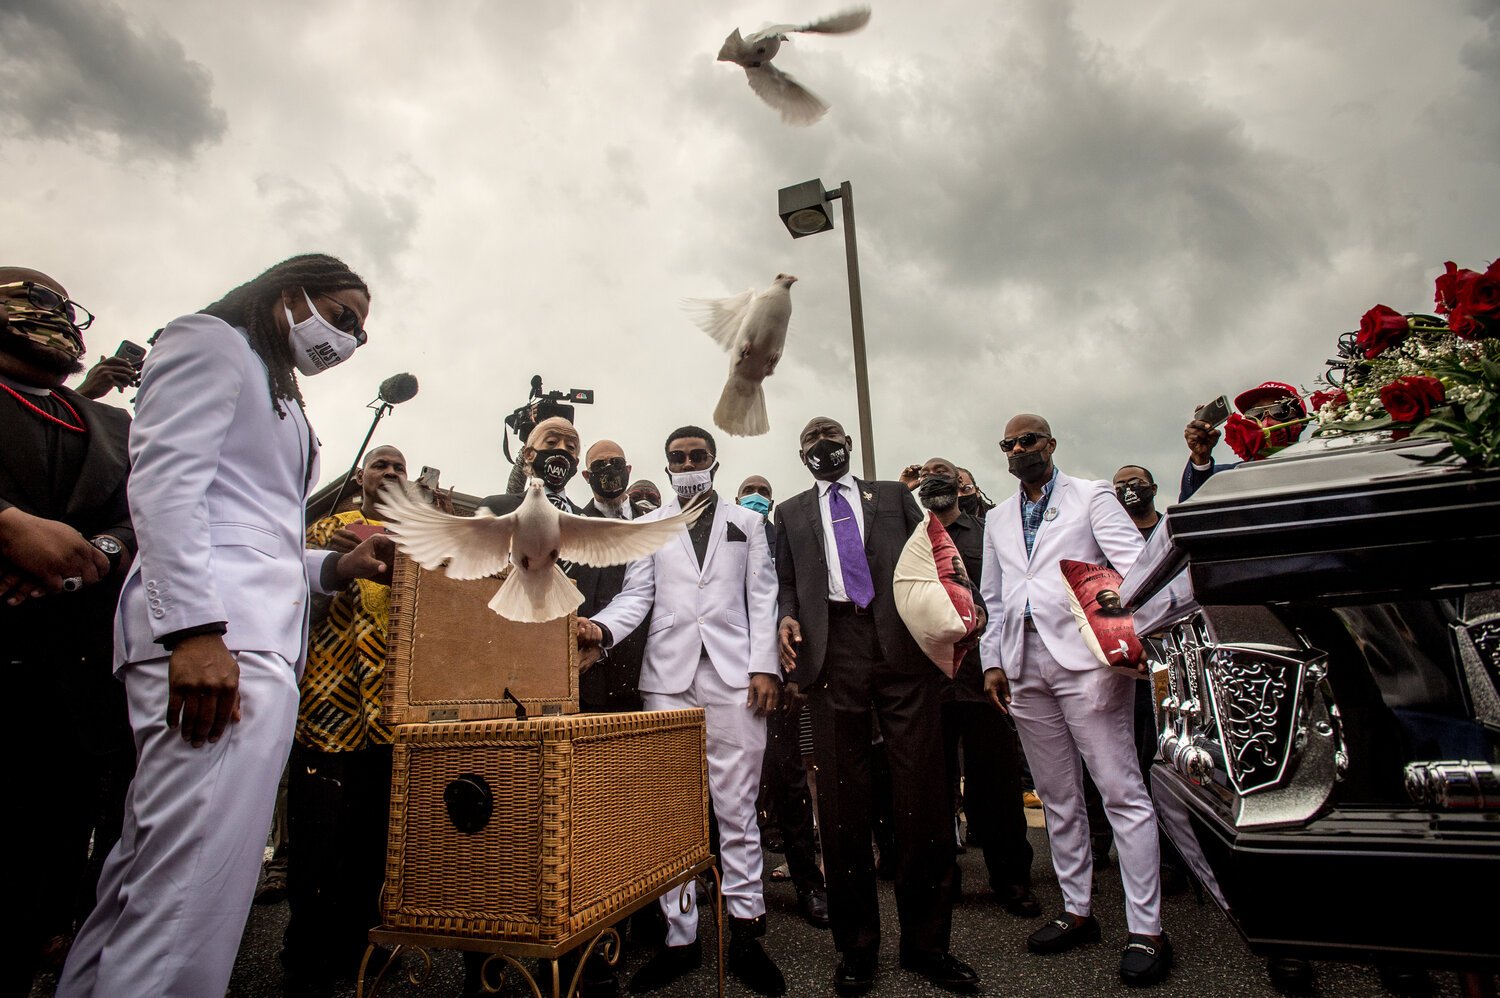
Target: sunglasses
x=607 y=464
x=698 y=455
x=42 y=297
x=1280 y=411
x=347 y=319
x=1025 y=440
x=1139 y=484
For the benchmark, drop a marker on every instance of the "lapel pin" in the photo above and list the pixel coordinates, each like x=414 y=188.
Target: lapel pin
x=869 y=496
x=1051 y=513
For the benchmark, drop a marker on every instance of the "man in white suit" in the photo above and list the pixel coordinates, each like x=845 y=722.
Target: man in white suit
x=212 y=623
x=1065 y=703
x=712 y=644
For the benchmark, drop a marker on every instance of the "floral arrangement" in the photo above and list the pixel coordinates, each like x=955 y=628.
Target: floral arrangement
x=1424 y=375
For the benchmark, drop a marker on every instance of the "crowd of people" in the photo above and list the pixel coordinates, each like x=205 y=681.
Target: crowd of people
x=160 y=585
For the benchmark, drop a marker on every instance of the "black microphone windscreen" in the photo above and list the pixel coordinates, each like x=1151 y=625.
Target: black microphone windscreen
x=398 y=388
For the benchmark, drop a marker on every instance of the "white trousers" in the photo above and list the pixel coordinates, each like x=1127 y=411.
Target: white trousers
x=736 y=745
x=1062 y=715
x=176 y=890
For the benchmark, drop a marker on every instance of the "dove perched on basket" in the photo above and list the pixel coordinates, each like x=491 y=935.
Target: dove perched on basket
x=530 y=539
x=797 y=105
x=752 y=327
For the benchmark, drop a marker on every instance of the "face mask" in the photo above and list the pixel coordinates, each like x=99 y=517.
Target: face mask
x=1136 y=500
x=318 y=344
x=969 y=504
x=1029 y=466
x=607 y=479
x=827 y=459
x=757 y=502
x=938 y=493
x=555 y=468
x=47 y=329
x=691 y=483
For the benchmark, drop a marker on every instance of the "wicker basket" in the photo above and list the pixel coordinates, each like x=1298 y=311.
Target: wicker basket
x=451 y=658
x=590 y=813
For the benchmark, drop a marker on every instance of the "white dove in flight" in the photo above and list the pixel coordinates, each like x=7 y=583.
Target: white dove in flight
x=752 y=327
x=531 y=538
x=797 y=105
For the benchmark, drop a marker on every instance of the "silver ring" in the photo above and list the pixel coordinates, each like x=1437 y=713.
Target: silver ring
x=72 y=584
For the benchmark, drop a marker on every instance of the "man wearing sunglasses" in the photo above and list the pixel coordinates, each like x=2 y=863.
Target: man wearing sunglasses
x=613 y=682
x=711 y=643
x=1064 y=703
x=65 y=540
x=1270 y=404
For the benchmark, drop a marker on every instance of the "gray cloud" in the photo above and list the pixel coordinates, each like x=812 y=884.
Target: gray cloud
x=85 y=70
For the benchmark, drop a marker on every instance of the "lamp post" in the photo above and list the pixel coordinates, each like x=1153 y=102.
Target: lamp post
x=804 y=210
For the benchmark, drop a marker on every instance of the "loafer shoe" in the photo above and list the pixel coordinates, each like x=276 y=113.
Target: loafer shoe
x=855 y=973
x=665 y=966
x=1145 y=960
x=814 y=907
x=1018 y=901
x=1062 y=934
x=943 y=970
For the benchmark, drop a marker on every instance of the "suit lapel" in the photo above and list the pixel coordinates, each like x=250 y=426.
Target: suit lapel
x=1054 y=508
x=671 y=507
x=867 y=500
x=715 y=538
x=104 y=464
x=812 y=509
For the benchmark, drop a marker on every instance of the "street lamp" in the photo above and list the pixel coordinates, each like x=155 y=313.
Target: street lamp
x=804 y=210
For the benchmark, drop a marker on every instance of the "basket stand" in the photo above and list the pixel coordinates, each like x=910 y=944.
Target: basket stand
x=506 y=957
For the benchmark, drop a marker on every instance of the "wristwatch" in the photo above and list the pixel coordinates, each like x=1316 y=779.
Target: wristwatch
x=112 y=549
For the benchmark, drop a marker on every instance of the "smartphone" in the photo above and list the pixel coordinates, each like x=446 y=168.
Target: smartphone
x=132 y=353
x=428 y=479
x=1215 y=412
x=364 y=530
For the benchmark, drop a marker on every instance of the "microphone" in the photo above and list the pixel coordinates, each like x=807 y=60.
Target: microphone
x=398 y=388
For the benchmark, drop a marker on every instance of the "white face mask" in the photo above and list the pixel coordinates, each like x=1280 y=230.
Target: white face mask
x=691 y=483
x=318 y=344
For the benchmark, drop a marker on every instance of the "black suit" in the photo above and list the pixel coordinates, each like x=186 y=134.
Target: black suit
x=860 y=669
x=613 y=683
x=57 y=653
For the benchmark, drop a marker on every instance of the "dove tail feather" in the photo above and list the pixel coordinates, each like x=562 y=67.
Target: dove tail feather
x=741 y=411
x=517 y=601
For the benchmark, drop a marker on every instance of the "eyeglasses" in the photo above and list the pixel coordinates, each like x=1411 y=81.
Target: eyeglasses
x=347 y=319
x=1025 y=440
x=607 y=464
x=697 y=456
x=42 y=297
x=1139 y=484
x=1279 y=411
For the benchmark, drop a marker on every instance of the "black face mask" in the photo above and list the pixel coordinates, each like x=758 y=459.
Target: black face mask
x=827 y=459
x=970 y=505
x=608 y=479
x=1030 y=466
x=555 y=468
x=1136 y=501
x=938 y=493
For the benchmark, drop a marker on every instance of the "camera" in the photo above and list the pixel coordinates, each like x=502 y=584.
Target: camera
x=543 y=405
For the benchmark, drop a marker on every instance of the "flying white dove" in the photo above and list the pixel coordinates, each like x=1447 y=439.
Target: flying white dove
x=798 y=105
x=752 y=327
x=532 y=538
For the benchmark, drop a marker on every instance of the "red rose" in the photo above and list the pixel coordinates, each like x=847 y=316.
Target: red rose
x=1445 y=288
x=1319 y=399
x=1245 y=437
x=1381 y=328
x=1479 y=294
x=1409 y=400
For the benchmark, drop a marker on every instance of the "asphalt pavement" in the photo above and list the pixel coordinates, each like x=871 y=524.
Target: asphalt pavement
x=1211 y=960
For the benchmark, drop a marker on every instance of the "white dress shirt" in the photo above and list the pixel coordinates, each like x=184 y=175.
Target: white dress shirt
x=830 y=543
x=623 y=513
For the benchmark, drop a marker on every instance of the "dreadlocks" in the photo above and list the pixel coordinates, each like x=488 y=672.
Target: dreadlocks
x=250 y=306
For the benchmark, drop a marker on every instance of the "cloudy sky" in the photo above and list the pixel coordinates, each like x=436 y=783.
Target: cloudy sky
x=1103 y=212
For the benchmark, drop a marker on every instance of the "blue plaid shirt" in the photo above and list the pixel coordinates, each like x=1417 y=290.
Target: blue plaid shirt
x=1032 y=512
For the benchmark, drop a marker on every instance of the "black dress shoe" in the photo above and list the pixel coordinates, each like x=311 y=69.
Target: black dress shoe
x=1063 y=933
x=747 y=959
x=1290 y=975
x=1018 y=900
x=813 y=904
x=668 y=964
x=855 y=973
x=943 y=970
x=1145 y=960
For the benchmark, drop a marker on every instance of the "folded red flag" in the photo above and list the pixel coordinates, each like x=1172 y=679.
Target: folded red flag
x=932 y=597
x=1107 y=627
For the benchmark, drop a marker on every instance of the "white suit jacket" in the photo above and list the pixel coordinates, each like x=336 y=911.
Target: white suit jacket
x=1090 y=525
x=218 y=486
x=727 y=607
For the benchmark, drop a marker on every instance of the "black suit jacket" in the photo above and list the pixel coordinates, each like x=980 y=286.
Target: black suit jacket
x=891 y=514
x=614 y=681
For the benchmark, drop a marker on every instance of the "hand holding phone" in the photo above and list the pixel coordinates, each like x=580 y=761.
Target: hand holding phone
x=1213 y=413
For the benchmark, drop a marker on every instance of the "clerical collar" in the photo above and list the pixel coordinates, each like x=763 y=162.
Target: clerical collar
x=23 y=387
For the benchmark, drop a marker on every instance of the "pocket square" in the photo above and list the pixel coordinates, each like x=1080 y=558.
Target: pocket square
x=734 y=533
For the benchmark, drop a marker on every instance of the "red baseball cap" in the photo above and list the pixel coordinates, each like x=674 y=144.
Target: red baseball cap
x=1268 y=391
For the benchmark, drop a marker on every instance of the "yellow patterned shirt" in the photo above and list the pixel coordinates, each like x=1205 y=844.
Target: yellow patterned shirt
x=341 y=684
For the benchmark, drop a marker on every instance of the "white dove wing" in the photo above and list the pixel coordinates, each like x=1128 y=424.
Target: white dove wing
x=797 y=104
x=600 y=542
x=720 y=318
x=475 y=547
x=845 y=20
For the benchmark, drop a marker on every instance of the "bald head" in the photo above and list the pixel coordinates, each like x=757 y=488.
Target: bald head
x=11 y=275
x=603 y=450
x=755 y=484
x=550 y=433
x=1027 y=422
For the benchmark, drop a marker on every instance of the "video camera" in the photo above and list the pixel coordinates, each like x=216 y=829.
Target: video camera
x=540 y=406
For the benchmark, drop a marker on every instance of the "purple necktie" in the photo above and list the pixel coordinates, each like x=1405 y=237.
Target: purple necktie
x=857 y=584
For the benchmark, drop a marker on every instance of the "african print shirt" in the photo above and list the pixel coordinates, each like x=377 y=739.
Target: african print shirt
x=340 y=709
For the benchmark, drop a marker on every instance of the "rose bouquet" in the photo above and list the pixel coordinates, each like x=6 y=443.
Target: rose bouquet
x=1424 y=375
